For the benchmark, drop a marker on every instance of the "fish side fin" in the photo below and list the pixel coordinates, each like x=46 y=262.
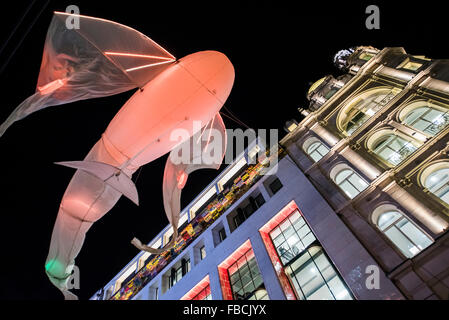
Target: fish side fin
x=112 y=176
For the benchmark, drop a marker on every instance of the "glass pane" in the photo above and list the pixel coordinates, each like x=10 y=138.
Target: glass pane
x=321 y=293
x=322 y=149
x=275 y=232
x=387 y=218
x=342 y=175
x=338 y=289
x=357 y=182
x=309 y=239
x=414 y=115
x=349 y=189
x=403 y=244
x=414 y=234
x=294 y=216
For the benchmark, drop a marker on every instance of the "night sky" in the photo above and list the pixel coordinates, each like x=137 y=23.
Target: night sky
x=277 y=50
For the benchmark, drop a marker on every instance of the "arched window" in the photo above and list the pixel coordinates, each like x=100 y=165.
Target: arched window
x=363 y=107
x=317 y=150
x=425 y=117
x=350 y=182
x=437 y=182
x=393 y=148
x=403 y=233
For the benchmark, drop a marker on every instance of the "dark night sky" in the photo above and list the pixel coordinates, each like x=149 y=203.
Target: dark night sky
x=277 y=50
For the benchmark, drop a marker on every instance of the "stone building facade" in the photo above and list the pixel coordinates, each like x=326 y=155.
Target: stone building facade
x=374 y=143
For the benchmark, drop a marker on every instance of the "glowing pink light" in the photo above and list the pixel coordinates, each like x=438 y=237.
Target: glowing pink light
x=119 y=24
x=124 y=54
x=181 y=178
x=148 y=65
x=52 y=86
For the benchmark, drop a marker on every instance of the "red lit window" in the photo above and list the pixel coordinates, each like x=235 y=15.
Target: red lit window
x=240 y=276
x=200 y=292
x=299 y=260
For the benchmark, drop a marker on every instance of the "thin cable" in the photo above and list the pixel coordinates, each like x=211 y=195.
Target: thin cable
x=16 y=27
x=2 y=68
x=138 y=174
x=235 y=120
x=239 y=121
x=233 y=114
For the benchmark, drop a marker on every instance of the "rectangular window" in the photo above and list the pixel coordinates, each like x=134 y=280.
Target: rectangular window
x=202 y=252
x=291 y=237
x=203 y=294
x=201 y=291
x=410 y=65
x=314 y=278
x=245 y=278
x=275 y=186
x=366 y=56
x=248 y=210
x=222 y=234
x=259 y=200
x=178 y=272
x=302 y=266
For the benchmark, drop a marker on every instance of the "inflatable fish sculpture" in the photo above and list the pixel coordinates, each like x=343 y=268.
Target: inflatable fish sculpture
x=175 y=109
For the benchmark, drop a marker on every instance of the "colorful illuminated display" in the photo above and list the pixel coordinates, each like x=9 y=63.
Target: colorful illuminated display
x=103 y=58
x=200 y=223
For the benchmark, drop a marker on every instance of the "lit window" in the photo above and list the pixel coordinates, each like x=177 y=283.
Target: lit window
x=393 y=148
x=317 y=150
x=245 y=278
x=222 y=234
x=363 y=107
x=410 y=65
x=314 y=277
x=203 y=252
x=438 y=183
x=291 y=237
x=303 y=269
x=366 y=56
x=350 y=182
x=427 y=119
x=176 y=274
x=203 y=294
x=403 y=233
x=200 y=292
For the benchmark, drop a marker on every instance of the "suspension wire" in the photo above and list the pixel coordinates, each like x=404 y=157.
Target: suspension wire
x=16 y=27
x=229 y=111
x=2 y=68
x=235 y=120
x=138 y=174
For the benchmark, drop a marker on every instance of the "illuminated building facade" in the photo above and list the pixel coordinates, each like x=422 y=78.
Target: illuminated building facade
x=362 y=185
x=374 y=143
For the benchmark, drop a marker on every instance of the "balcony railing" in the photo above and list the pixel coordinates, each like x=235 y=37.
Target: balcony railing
x=197 y=226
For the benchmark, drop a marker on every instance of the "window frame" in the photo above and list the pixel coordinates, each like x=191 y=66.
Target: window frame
x=316 y=150
x=339 y=169
x=382 y=210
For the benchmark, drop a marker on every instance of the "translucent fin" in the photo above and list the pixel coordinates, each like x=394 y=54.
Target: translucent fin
x=111 y=175
x=99 y=59
x=203 y=150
